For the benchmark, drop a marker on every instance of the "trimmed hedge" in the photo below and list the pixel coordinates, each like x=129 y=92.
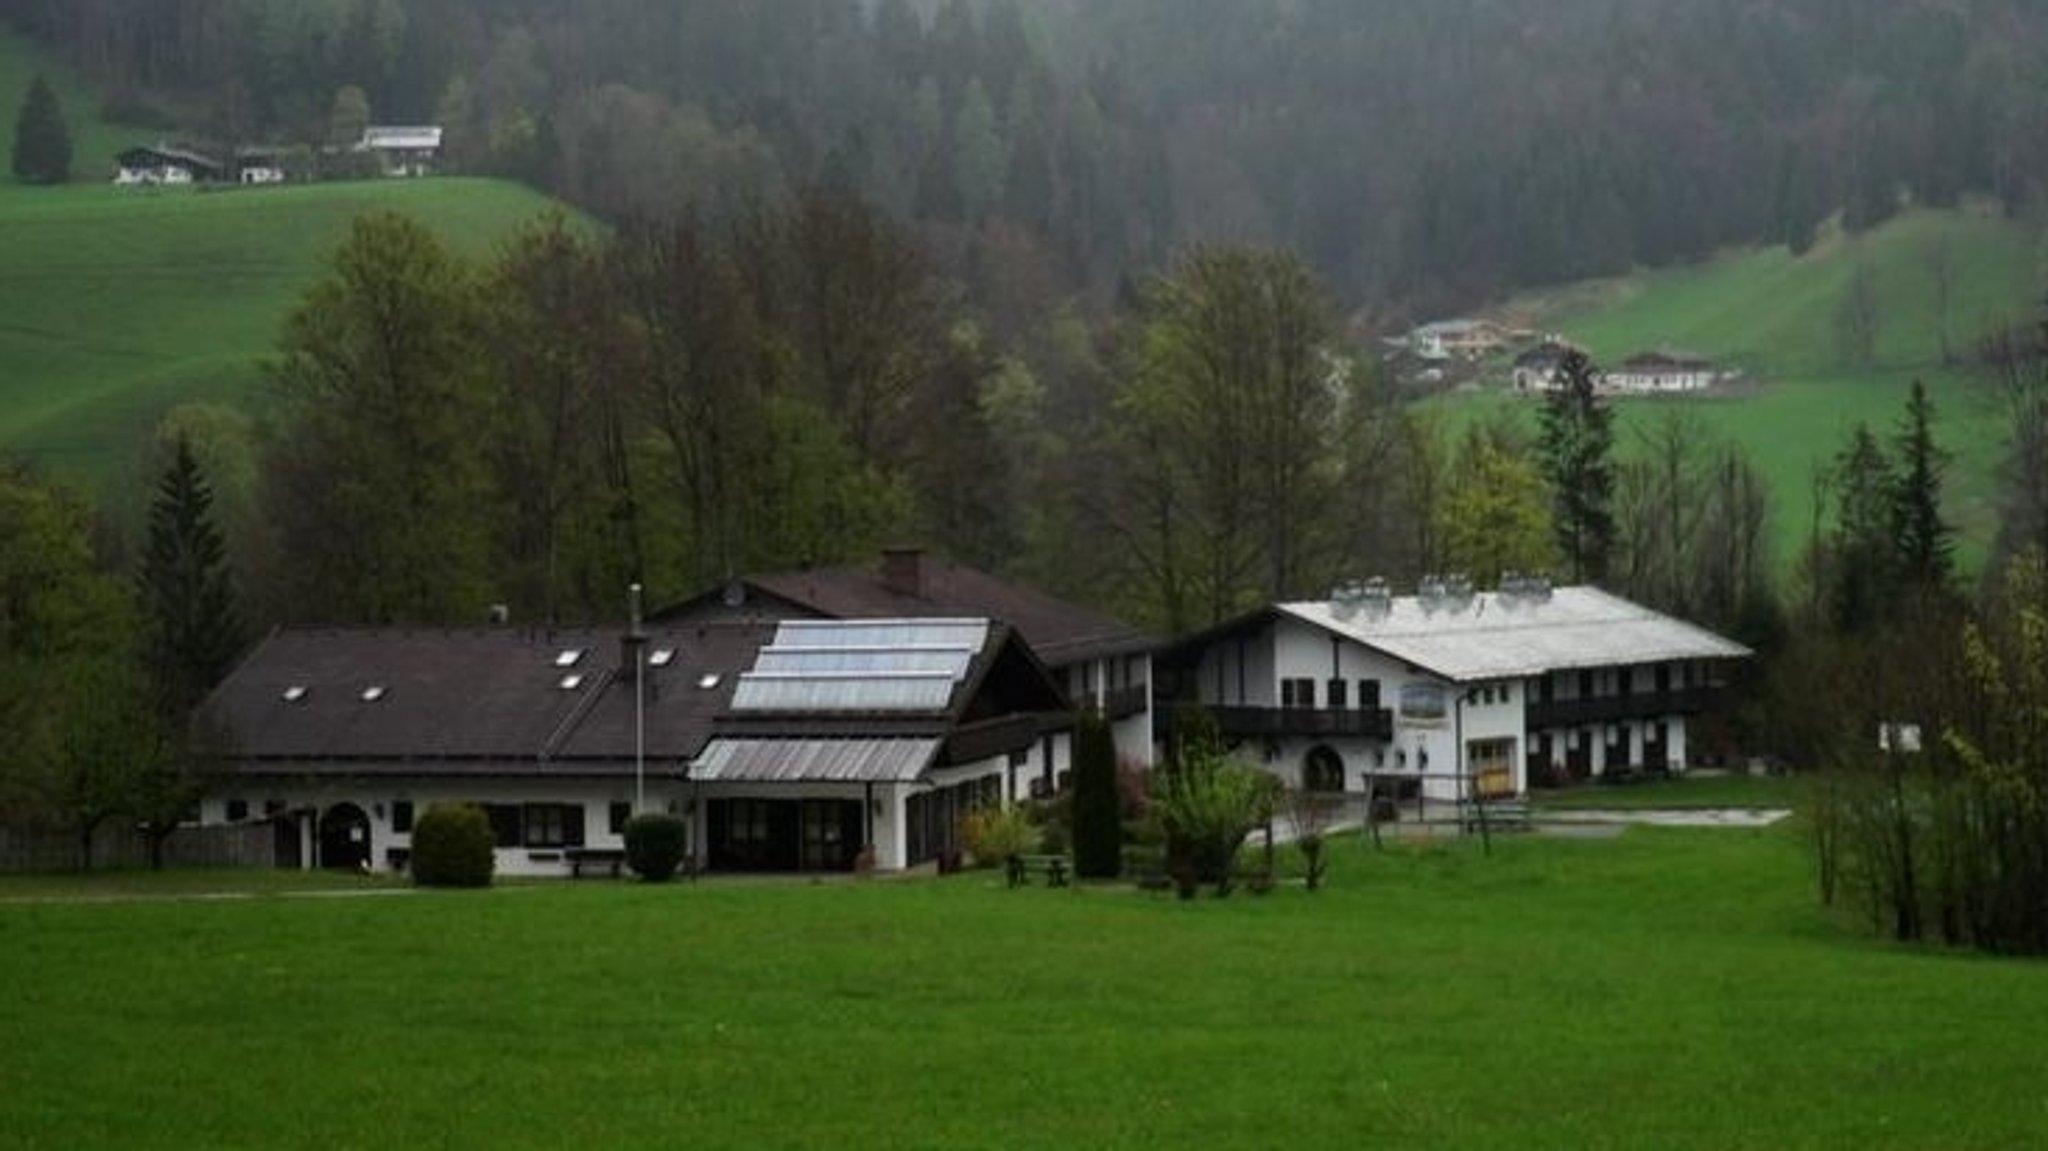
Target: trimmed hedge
x=452 y=847
x=655 y=845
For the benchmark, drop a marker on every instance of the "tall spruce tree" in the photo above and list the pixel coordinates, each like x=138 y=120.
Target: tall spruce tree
x=191 y=629
x=1098 y=811
x=1925 y=542
x=1577 y=447
x=42 y=144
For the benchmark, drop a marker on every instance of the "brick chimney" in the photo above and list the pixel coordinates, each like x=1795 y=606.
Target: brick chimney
x=903 y=571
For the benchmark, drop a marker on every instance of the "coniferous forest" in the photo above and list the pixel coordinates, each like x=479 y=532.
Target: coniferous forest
x=1416 y=155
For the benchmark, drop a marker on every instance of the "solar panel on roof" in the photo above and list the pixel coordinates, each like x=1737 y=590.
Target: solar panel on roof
x=862 y=693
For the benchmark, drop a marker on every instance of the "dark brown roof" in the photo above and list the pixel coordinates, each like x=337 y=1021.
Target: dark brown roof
x=481 y=695
x=493 y=701
x=913 y=585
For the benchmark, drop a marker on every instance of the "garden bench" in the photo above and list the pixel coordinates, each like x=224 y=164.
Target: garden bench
x=1022 y=867
x=581 y=857
x=1499 y=815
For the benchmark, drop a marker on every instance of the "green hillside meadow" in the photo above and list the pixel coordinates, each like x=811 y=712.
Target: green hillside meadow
x=1778 y=317
x=117 y=304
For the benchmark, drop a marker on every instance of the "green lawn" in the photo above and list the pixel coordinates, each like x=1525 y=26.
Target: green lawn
x=1668 y=989
x=1684 y=792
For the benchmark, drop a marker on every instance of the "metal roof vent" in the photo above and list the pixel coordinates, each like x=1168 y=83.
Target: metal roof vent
x=661 y=657
x=373 y=693
x=570 y=682
x=568 y=656
x=1375 y=599
x=1430 y=592
x=1345 y=598
x=1458 y=592
x=295 y=693
x=707 y=681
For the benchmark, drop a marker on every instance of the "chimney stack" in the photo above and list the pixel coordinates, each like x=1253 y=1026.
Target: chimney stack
x=903 y=571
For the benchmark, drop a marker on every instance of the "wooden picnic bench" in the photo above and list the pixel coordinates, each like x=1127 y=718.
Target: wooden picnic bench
x=1021 y=868
x=581 y=857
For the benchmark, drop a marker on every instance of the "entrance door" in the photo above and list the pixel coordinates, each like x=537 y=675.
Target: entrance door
x=344 y=838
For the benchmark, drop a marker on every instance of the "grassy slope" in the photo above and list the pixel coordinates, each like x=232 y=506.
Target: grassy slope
x=1777 y=317
x=1668 y=989
x=117 y=304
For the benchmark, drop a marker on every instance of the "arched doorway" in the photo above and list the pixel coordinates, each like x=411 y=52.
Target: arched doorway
x=1322 y=770
x=344 y=837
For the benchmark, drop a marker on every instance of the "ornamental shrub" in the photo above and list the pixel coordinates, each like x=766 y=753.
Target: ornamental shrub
x=452 y=847
x=993 y=834
x=655 y=845
x=1098 y=809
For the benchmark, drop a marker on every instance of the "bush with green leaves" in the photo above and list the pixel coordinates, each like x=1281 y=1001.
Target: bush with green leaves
x=1208 y=804
x=655 y=845
x=452 y=846
x=993 y=834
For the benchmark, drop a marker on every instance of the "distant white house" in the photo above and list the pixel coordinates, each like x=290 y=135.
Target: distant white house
x=1540 y=368
x=411 y=150
x=166 y=164
x=1461 y=338
x=1664 y=371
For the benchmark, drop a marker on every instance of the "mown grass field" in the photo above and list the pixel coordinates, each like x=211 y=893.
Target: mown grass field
x=1667 y=989
x=1778 y=317
x=1689 y=792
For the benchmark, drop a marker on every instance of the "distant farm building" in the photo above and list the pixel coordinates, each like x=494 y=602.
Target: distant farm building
x=165 y=164
x=1540 y=368
x=403 y=151
x=1665 y=371
x=1456 y=339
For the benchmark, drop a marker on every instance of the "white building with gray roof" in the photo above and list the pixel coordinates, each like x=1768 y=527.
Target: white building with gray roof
x=1452 y=690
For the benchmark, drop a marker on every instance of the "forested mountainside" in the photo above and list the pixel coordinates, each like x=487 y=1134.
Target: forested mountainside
x=1420 y=156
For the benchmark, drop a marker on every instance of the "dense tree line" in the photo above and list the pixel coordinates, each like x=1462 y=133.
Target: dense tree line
x=1419 y=155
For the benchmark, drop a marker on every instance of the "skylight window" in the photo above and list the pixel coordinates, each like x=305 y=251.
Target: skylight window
x=661 y=656
x=568 y=656
x=373 y=693
x=707 y=681
x=570 y=682
x=295 y=693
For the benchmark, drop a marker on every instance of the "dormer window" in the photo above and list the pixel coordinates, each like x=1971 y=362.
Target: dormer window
x=568 y=656
x=295 y=693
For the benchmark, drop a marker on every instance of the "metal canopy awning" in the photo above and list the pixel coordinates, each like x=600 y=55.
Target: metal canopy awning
x=796 y=760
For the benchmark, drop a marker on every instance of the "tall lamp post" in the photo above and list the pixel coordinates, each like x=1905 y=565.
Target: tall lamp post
x=636 y=639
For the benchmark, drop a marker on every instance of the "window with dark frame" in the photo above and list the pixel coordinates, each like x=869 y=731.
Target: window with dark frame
x=505 y=823
x=401 y=815
x=1297 y=691
x=1337 y=692
x=553 y=824
x=238 y=810
x=616 y=816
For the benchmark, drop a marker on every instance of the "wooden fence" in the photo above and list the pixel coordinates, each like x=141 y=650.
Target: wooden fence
x=117 y=847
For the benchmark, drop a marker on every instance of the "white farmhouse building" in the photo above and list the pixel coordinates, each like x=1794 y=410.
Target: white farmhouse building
x=1453 y=691
x=803 y=745
x=1663 y=371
